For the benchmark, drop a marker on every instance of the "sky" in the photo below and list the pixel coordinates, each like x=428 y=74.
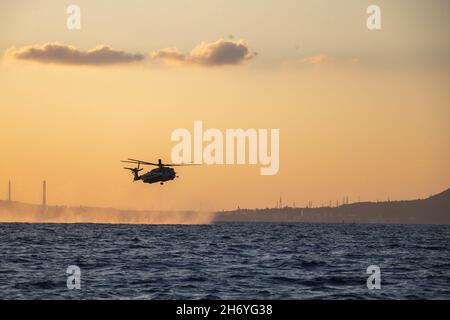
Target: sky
x=361 y=113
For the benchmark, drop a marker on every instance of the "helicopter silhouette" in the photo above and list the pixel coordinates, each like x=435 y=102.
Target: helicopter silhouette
x=164 y=171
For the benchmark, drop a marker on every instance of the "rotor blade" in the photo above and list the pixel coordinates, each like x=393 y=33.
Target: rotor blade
x=139 y=162
x=144 y=162
x=180 y=164
x=133 y=169
x=135 y=161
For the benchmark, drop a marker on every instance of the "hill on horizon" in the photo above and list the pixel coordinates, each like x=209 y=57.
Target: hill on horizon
x=434 y=210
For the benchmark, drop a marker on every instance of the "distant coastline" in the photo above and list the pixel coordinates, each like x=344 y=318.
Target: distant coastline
x=432 y=210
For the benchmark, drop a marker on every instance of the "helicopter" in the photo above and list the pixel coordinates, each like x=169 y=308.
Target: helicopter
x=164 y=171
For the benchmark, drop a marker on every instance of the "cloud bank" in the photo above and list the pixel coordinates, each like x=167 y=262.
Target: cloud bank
x=56 y=53
x=217 y=53
x=207 y=54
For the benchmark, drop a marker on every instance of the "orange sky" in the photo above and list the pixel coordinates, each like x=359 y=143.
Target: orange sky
x=360 y=113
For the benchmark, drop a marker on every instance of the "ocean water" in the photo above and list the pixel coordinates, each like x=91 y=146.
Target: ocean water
x=224 y=261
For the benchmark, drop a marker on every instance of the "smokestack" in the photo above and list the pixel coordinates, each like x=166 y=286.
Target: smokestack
x=44 y=193
x=9 y=190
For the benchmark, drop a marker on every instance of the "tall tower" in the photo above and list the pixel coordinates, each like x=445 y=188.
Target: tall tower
x=9 y=190
x=44 y=193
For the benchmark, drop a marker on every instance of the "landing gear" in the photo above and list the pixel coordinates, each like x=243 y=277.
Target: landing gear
x=161 y=183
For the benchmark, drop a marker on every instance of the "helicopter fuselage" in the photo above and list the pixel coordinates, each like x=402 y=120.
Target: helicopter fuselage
x=160 y=174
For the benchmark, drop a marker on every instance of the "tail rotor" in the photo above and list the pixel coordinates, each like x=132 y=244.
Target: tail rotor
x=135 y=172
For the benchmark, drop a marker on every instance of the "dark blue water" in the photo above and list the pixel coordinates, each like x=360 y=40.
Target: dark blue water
x=224 y=261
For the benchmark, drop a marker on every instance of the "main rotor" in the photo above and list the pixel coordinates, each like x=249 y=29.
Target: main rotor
x=160 y=164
